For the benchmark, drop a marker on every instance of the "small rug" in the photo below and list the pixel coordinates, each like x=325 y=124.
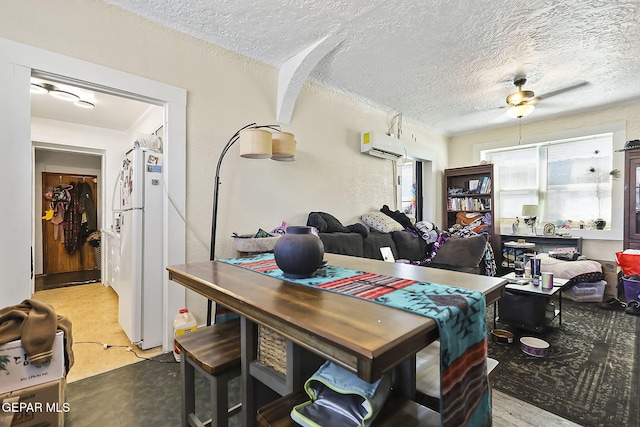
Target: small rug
x=62 y=280
x=591 y=374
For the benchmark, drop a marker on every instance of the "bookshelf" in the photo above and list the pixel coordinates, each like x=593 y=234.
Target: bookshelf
x=469 y=199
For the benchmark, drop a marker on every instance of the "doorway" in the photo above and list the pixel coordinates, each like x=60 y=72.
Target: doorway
x=70 y=217
x=18 y=62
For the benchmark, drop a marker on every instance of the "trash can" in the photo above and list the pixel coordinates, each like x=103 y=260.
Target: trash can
x=631 y=287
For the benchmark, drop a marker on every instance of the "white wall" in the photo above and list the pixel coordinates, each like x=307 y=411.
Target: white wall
x=464 y=150
x=225 y=92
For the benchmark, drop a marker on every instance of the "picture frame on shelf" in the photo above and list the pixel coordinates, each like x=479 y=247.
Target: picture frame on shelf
x=549 y=229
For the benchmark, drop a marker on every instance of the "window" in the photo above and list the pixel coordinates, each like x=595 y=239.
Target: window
x=569 y=180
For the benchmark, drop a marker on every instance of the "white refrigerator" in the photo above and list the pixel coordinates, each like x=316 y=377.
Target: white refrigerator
x=139 y=279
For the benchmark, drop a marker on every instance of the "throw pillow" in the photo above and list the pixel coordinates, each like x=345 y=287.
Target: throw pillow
x=461 y=251
x=381 y=222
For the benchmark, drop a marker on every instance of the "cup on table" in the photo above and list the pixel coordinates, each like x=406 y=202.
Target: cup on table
x=535 y=267
x=547 y=280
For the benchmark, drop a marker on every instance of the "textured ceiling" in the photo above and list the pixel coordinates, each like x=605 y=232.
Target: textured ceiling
x=446 y=64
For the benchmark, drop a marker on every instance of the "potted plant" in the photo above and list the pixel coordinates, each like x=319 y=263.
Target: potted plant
x=601 y=177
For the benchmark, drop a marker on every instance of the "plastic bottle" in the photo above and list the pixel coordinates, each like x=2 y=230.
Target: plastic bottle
x=527 y=269
x=183 y=323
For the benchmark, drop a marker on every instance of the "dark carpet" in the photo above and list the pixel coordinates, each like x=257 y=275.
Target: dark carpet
x=591 y=374
x=144 y=394
x=62 y=280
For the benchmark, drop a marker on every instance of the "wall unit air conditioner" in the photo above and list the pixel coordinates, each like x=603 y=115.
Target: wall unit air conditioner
x=381 y=145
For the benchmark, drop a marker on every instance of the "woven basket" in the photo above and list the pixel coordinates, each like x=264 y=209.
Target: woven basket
x=272 y=349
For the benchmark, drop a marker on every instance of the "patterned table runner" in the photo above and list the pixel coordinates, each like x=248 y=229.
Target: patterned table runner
x=459 y=314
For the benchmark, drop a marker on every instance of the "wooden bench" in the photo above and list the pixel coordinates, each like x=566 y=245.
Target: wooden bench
x=397 y=411
x=214 y=351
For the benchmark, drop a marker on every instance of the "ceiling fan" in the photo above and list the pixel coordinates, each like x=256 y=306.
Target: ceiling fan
x=522 y=102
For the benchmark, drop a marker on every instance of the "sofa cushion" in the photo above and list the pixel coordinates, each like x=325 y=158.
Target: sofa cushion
x=381 y=222
x=342 y=243
x=409 y=246
x=375 y=241
x=462 y=252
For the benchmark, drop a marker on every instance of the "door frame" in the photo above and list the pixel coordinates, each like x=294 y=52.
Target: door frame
x=17 y=63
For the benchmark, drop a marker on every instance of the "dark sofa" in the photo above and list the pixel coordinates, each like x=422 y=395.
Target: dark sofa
x=459 y=254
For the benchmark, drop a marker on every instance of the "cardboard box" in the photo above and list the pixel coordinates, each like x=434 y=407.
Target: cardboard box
x=611 y=276
x=17 y=373
x=37 y=406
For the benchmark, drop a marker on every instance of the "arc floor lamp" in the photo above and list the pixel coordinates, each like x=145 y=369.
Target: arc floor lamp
x=256 y=142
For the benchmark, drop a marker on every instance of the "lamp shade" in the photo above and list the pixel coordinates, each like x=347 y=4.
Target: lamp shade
x=255 y=144
x=529 y=210
x=519 y=111
x=284 y=146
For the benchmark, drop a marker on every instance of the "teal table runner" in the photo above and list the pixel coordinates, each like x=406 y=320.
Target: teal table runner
x=459 y=314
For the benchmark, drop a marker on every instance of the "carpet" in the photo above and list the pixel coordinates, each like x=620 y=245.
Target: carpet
x=591 y=374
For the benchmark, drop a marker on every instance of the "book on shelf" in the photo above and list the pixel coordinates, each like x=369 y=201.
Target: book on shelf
x=469 y=204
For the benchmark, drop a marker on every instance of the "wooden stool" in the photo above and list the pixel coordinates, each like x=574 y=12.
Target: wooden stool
x=214 y=351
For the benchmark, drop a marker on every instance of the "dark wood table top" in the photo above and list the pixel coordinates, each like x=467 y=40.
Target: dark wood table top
x=364 y=337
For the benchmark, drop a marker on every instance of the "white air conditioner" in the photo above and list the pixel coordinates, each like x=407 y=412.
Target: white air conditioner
x=381 y=145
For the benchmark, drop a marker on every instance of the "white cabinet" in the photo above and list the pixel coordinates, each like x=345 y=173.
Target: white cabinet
x=111 y=261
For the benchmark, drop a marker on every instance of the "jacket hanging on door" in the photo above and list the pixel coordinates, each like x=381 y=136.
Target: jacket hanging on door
x=72 y=230
x=60 y=197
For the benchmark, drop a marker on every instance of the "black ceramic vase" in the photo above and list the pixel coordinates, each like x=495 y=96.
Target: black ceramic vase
x=600 y=223
x=299 y=253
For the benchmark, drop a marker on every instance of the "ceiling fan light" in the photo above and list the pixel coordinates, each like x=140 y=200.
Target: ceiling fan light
x=65 y=96
x=519 y=97
x=520 y=111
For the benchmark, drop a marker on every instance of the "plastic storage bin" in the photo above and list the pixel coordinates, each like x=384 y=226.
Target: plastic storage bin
x=631 y=288
x=586 y=291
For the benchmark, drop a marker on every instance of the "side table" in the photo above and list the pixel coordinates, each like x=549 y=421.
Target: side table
x=528 y=290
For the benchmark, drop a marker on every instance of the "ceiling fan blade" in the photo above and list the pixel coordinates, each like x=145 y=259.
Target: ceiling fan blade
x=562 y=90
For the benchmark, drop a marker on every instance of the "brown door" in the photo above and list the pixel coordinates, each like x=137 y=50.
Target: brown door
x=57 y=259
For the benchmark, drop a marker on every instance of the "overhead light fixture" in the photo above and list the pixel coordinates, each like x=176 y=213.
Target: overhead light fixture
x=64 y=95
x=84 y=104
x=520 y=111
x=38 y=89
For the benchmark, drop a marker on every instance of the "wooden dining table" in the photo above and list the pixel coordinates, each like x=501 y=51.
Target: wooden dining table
x=364 y=337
